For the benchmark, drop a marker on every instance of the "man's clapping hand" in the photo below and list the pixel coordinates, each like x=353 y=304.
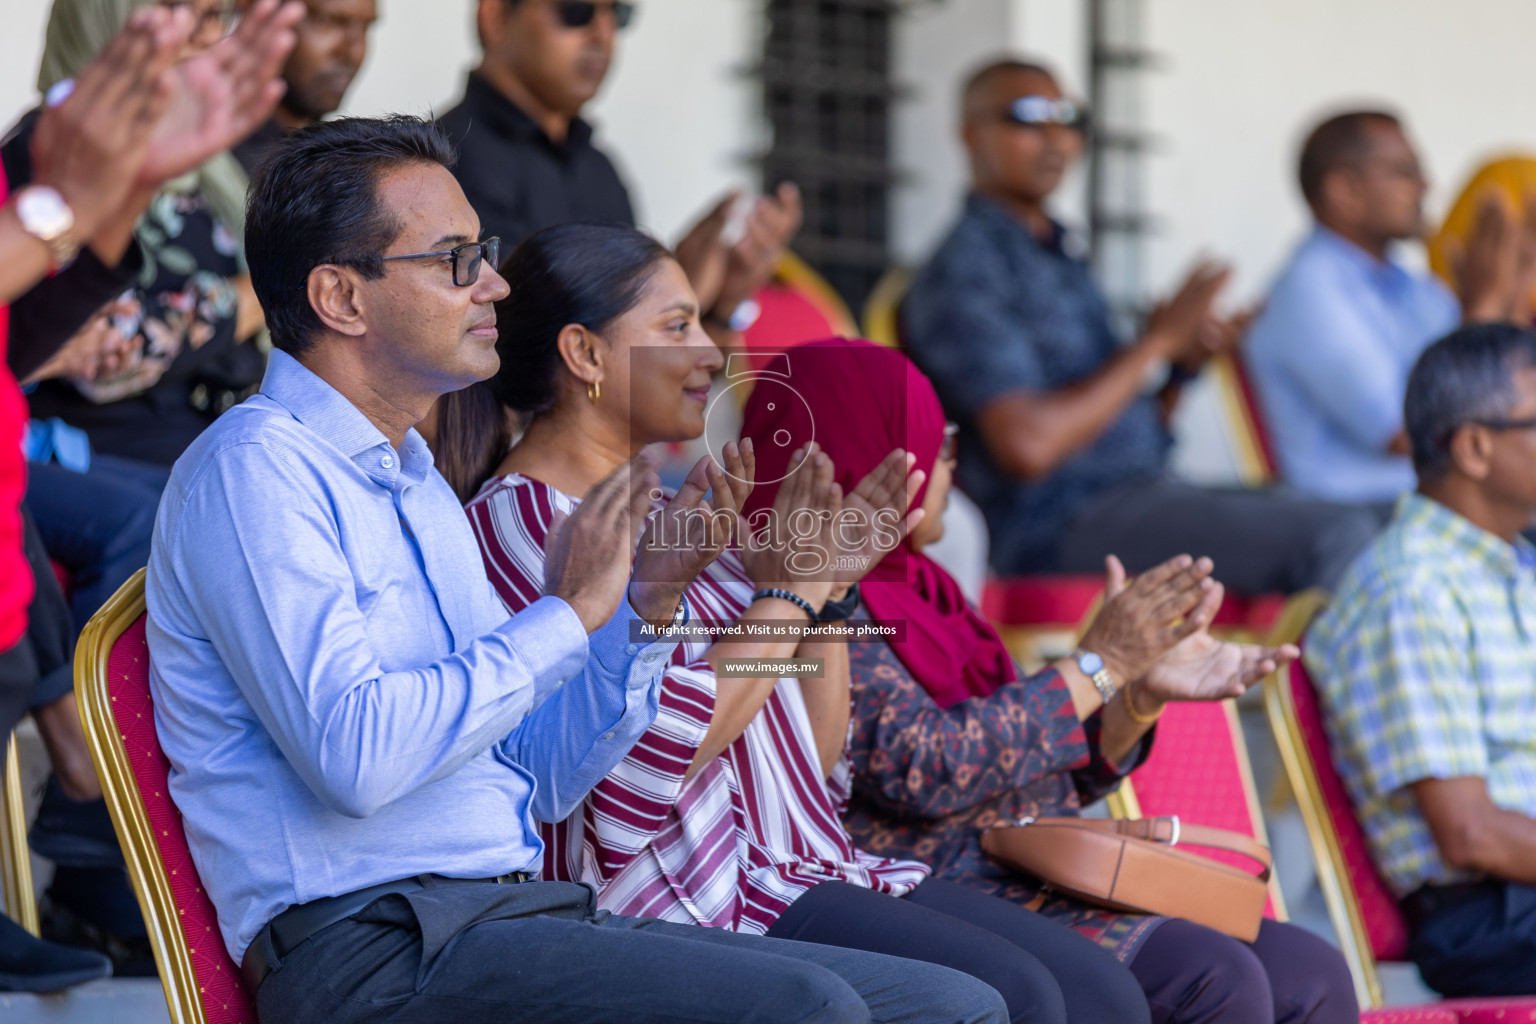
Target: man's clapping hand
x=588 y=554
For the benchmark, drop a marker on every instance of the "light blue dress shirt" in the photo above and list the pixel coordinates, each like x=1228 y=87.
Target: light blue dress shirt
x=1330 y=356
x=341 y=694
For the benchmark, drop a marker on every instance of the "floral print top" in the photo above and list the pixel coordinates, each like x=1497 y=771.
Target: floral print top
x=927 y=781
x=187 y=367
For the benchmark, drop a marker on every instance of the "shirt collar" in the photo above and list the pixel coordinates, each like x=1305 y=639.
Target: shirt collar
x=326 y=412
x=1508 y=560
x=507 y=118
x=1384 y=272
x=994 y=213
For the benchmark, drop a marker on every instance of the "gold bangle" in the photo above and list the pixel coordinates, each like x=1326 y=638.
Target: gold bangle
x=1137 y=716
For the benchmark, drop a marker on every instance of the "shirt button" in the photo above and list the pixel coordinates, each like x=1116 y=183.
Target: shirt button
x=609 y=735
x=649 y=658
x=387 y=461
x=631 y=650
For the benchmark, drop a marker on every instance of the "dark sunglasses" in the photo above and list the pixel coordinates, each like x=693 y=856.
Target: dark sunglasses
x=1040 y=111
x=467 y=259
x=580 y=13
x=950 y=446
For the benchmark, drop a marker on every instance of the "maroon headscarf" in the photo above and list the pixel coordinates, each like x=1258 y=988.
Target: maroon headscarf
x=859 y=401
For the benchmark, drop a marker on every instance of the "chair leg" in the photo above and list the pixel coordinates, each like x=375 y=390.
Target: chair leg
x=15 y=857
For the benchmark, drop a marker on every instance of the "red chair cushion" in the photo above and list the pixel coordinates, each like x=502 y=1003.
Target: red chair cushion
x=1062 y=600
x=786 y=318
x=1513 y=1010
x=1384 y=924
x=1194 y=772
x=225 y=1000
x=1431 y=1014
x=1040 y=600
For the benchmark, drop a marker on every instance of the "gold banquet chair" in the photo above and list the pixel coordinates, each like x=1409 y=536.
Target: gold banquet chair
x=202 y=984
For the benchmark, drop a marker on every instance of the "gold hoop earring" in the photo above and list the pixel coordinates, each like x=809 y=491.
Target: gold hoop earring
x=595 y=390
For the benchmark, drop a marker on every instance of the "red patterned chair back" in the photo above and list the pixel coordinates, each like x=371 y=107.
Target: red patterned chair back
x=202 y=984
x=1199 y=771
x=1384 y=924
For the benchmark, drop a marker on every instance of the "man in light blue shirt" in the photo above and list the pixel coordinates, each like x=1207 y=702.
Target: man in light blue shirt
x=361 y=741
x=1330 y=353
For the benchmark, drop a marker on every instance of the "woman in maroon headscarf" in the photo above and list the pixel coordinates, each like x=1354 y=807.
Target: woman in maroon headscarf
x=947 y=740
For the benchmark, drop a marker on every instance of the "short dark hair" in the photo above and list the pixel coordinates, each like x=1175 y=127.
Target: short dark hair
x=1467 y=375
x=980 y=80
x=1338 y=142
x=315 y=201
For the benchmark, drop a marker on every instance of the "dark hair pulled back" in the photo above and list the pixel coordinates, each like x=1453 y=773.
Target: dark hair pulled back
x=587 y=274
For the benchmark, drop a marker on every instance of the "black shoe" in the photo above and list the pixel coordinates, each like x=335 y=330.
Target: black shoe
x=95 y=908
x=29 y=964
x=74 y=833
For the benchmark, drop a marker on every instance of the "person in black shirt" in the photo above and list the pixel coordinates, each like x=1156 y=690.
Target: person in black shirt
x=527 y=160
x=332 y=45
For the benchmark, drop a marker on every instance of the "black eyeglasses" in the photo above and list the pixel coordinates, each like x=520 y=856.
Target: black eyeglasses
x=467 y=259
x=580 y=13
x=950 y=446
x=1039 y=111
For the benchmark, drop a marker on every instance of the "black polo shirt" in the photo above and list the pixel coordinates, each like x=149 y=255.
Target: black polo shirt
x=518 y=180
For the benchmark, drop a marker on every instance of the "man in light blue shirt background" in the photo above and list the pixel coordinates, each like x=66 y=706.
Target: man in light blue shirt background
x=361 y=740
x=1330 y=353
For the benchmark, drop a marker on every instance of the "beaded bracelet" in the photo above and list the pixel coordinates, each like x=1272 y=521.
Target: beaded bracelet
x=790 y=596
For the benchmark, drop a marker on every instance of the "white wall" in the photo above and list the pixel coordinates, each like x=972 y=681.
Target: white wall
x=1246 y=80
x=677 y=112
x=1241 y=83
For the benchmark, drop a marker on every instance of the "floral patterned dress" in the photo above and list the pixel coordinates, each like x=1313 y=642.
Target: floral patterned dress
x=927 y=781
x=186 y=367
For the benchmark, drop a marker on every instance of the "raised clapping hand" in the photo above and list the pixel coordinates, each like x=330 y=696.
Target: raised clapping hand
x=682 y=539
x=136 y=118
x=791 y=548
x=588 y=555
x=90 y=147
x=1144 y=619
x=722 y=276
x=221 y=95
x=1201 y=667
x=875 y=518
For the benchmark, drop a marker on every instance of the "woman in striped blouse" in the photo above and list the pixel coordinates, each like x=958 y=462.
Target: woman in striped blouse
x=724 y=814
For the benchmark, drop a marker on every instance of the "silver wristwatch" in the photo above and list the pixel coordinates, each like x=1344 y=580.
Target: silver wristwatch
x=47 y=217
x=1093 y=667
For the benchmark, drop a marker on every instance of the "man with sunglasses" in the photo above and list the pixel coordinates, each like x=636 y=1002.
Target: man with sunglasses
x=332 y=45
x=361 y=740
x=1331 y=351
x=527 y=160
x=1063 y=444
x=1426 y=662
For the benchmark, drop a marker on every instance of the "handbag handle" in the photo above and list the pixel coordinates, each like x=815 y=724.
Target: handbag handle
x=1170 y=831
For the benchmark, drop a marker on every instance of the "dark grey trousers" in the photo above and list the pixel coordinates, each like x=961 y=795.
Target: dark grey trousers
x=1262 y=541
x=540 y=953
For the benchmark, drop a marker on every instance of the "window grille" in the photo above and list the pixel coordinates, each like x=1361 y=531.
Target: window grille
x=827 y=90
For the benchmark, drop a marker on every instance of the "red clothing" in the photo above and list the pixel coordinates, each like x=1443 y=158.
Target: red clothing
x=15 y=576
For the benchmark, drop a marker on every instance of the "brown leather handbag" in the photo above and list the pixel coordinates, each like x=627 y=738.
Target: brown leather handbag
x=1139 y=867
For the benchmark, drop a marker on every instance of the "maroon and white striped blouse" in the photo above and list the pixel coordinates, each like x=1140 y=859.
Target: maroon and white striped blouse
x=739 y=842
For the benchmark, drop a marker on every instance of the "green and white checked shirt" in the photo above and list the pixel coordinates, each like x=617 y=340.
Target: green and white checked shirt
x=1426 y=664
